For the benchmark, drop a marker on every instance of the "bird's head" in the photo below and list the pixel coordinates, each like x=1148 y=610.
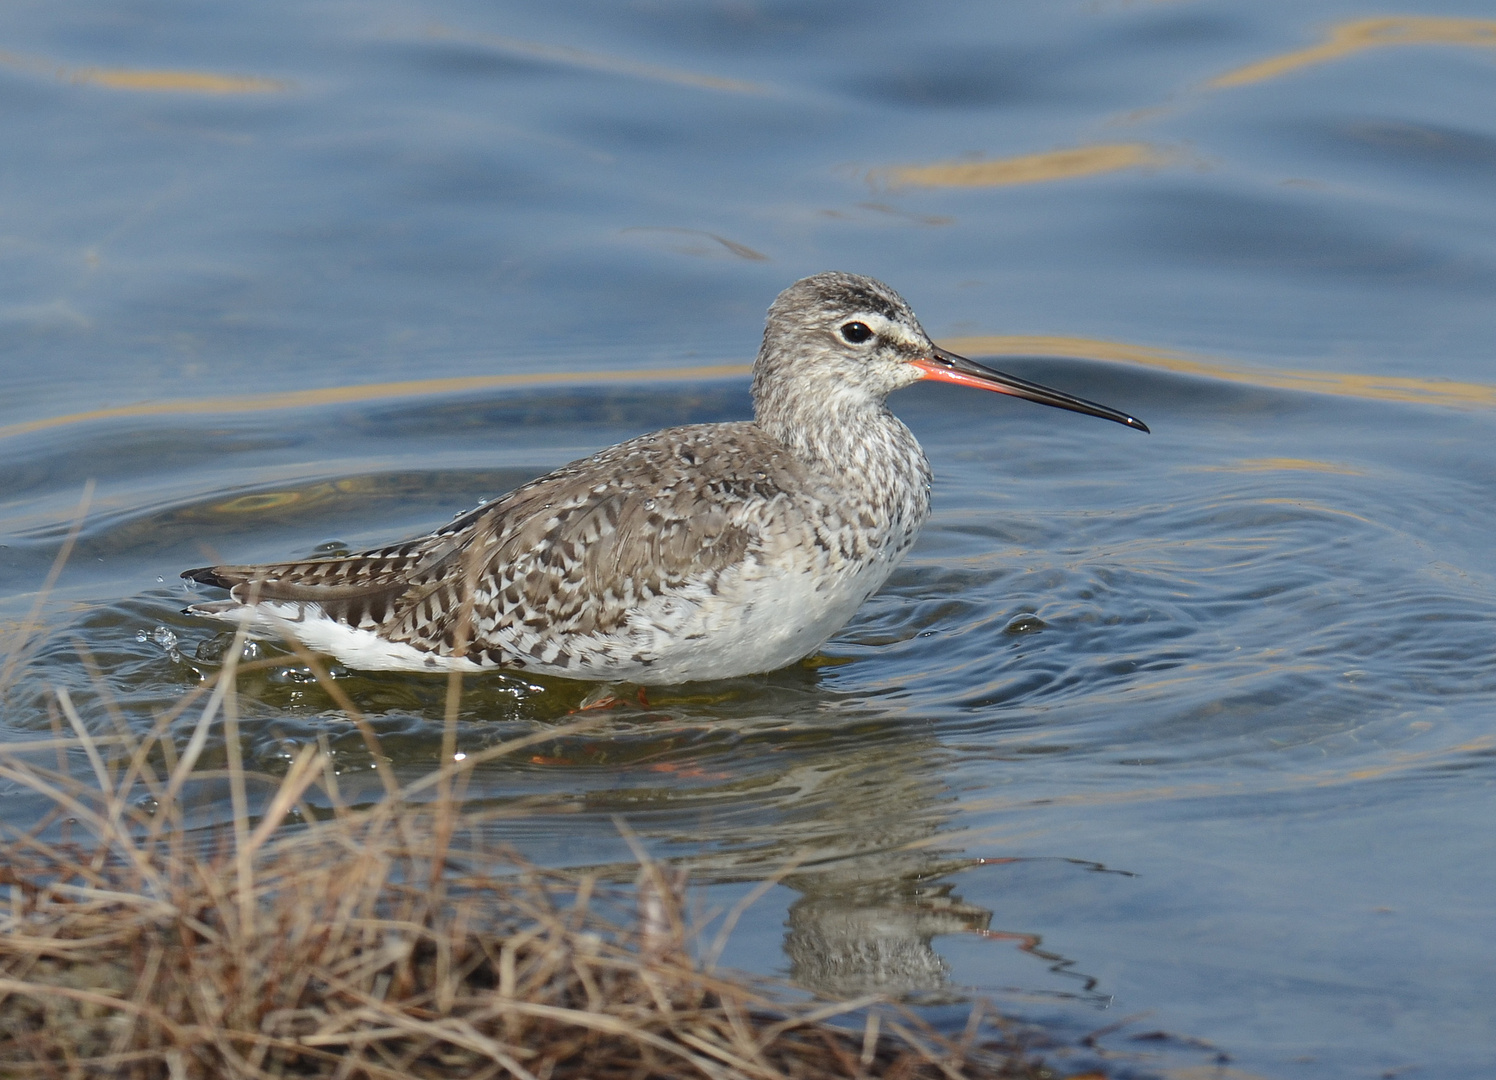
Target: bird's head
x=843 y=337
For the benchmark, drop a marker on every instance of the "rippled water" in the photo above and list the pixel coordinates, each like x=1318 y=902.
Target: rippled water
x=1197 y=729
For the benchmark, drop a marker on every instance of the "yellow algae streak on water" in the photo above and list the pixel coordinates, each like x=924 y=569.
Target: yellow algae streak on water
x=1255 y=465
x=1317 y=507
x=1342 y=384
x=260 y=502
x=178 y=82
x=1030 y=168
x=1359 y=35
x=1380 y=387
x=342 y=395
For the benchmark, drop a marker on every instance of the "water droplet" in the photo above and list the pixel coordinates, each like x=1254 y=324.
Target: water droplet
x=160 y=578
x=649 y=504
x=165 y=638
x=1025 y=623
x=299 y=676
x=141 y=635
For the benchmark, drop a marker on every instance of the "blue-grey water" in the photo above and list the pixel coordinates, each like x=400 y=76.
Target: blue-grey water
x=1195 y=730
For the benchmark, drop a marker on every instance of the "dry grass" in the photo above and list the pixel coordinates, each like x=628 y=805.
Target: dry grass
x=380 y=942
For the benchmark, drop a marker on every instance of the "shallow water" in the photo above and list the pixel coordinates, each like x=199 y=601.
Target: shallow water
x=1194 y=728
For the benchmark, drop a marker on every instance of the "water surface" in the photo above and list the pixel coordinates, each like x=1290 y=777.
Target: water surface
x=1194 y=728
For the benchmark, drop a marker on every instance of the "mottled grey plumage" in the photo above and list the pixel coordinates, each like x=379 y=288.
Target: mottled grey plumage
x=692 y=553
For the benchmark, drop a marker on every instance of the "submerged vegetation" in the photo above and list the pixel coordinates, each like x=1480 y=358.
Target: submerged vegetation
x=314 y=938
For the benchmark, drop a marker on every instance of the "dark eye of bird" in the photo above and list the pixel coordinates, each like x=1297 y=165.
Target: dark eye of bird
x=856 y=332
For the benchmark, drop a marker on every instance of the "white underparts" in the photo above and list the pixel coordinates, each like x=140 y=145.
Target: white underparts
x=363 y=650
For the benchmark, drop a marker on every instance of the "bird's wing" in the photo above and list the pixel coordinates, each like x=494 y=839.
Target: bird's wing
x=363 y=589
x=575 y=552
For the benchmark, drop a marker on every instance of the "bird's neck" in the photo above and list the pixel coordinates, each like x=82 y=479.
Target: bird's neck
x=846 y=435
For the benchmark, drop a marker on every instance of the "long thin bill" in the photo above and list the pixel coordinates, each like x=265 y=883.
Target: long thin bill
x=943 y=366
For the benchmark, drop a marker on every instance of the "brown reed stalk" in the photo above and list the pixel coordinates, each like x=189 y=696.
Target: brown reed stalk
x=346 y=968
x=19 y=647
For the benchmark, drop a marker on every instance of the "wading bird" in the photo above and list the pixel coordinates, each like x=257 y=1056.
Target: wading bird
x=700 y=552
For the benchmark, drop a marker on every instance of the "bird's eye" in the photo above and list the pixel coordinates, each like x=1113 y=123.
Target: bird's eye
x=856 y=332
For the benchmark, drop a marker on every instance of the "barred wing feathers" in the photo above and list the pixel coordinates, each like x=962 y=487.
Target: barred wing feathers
x=567 y=556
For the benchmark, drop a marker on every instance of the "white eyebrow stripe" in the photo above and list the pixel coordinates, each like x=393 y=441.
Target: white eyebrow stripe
x=890 y=330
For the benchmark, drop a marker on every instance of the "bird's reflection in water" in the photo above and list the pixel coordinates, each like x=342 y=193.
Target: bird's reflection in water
x=858 y=811
x=849 y=938
x=867 y=925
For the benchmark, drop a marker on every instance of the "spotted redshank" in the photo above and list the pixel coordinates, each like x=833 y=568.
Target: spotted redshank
x=700 y=552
